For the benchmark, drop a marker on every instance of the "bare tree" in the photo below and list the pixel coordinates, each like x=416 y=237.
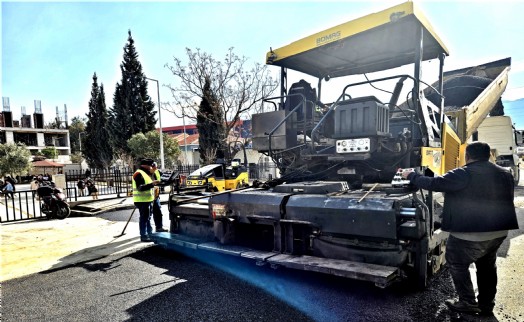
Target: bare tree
x=237 y=88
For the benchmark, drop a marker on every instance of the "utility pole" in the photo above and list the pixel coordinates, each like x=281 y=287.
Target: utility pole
x=80 y=140
x=185 y=142
x=159 y=123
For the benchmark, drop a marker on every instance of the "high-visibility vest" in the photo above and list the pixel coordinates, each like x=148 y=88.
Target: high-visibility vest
x=157 y=177
x=142 y=196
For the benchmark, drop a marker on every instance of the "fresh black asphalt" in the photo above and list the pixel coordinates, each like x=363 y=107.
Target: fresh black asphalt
x=149 y=285
x=154 y=284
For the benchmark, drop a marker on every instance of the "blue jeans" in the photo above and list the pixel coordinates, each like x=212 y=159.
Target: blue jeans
x=460 y=254
x=144 y=223
x=157 y=213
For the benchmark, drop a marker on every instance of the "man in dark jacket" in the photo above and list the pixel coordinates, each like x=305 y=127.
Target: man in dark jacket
x=478 y=212
x=157 y=208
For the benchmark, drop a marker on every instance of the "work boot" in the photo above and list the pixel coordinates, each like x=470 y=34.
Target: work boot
x=145 y=239
x=486 y=311
x=161 y=230
x=462 y=306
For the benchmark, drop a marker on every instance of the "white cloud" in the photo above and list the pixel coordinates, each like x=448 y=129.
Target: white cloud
x=512 y=94
x=517 y=67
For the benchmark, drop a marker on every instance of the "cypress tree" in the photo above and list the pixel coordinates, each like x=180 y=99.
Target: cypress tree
x=104 y=148
x=119 y=120
x=210 y=132
x=133 y=111
x=96 y=148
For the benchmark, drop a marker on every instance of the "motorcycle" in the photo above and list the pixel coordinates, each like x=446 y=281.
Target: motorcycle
x=53 y=202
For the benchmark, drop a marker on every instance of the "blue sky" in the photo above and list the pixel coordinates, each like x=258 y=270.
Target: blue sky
x=50 y=50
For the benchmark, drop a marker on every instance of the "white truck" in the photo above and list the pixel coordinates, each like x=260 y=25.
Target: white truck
x=500 y=134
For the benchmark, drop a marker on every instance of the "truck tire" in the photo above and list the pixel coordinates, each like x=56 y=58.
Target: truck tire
x=421 y=271
x=515 y=171
x=421 y=263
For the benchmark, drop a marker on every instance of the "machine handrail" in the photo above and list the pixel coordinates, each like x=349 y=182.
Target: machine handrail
x=303 y=103
x=334 y=105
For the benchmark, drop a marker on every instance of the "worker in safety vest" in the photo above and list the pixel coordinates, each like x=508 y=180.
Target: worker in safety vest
x=157 y=210
x=143 y=196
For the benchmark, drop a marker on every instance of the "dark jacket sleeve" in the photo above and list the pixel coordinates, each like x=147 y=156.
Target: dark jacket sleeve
x=140 y=182
x=453 y=180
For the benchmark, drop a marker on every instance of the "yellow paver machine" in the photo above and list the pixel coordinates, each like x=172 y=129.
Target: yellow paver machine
x=339 y=206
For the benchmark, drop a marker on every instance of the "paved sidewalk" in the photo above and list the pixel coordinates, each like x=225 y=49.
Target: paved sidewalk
x=33 y=246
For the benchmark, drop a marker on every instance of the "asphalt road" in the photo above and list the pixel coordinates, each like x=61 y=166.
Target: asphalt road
x=157 y=285
x=150 y=285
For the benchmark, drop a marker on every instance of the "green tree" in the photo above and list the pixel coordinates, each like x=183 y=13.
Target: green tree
x=120 y=120
x=133 y=111
x=38 y=156
x=211 y=139
x=15 y=159
x=96 y=147
x=148 y=146
x=50 y=152
x=77 y=126
x=76 y=157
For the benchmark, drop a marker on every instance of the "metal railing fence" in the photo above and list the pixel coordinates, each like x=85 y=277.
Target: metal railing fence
x=24 y=205
x=20 y=205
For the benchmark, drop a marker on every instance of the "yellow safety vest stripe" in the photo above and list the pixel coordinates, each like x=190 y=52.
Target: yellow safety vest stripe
x=142 y=196
x=157 y=177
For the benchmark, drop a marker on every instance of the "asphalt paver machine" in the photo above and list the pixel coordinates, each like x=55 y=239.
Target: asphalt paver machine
x=340 y=206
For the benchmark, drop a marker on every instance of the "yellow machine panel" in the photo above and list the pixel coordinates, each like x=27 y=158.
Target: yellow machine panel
x=432 y=158
x=210 y=176
x=237 y=182
x=236 y=176
x=452 y=149
x=218 y=184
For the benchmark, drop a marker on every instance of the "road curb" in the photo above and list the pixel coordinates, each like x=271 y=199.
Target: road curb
x=82 y=208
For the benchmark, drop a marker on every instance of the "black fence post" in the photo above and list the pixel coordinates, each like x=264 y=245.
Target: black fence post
x=117 y=180
x=21 y=205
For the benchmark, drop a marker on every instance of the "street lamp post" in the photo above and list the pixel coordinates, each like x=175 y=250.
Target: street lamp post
x=159 y=123
x=185 y=142
x=80 y=141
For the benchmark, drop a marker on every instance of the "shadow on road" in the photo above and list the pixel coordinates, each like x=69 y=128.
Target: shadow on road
x=199 y=292
x=117 y=245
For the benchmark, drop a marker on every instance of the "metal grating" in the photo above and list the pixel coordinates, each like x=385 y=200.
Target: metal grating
x=451 y=150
